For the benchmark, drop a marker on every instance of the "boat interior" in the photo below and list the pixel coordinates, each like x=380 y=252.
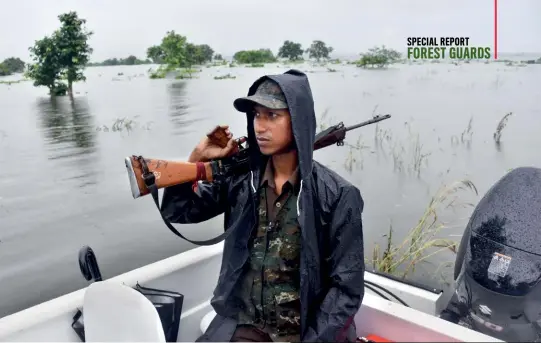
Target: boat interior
x=114 y=311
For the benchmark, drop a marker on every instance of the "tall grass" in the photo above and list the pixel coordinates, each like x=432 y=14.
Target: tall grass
x=423 y=241
x=355 y=157
x=465 y=137
x=499 y=129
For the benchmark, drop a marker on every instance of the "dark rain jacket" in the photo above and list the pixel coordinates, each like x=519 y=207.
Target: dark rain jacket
x=329 y=213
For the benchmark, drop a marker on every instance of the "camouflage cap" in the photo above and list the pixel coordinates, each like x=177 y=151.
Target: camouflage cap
x=268 y=94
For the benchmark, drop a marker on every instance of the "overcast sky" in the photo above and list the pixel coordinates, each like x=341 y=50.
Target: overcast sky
x=124 y=27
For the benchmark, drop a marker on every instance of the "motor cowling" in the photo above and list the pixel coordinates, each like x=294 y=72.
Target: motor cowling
x=498 y=266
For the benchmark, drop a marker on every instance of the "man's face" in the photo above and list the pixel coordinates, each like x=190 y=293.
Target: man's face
x=273 y=130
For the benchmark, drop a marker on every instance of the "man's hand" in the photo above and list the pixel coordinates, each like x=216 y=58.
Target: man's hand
x=218 y=143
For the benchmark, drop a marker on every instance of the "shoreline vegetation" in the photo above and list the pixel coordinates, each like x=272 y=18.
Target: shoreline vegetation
x=58 y=62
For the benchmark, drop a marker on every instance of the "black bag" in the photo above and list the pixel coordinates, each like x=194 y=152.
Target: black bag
x=168 y=304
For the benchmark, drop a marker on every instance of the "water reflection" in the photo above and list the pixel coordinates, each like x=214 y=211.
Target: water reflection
x=69 y=132
x=179 y=109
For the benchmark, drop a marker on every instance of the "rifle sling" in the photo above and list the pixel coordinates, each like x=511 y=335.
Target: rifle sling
x=151 y=185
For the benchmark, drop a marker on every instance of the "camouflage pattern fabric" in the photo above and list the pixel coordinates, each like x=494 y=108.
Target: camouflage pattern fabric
x=270 y=292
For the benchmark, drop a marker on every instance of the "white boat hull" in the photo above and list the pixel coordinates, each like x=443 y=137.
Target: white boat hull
x=194 y=274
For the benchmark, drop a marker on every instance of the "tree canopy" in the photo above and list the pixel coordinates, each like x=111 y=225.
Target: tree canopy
x=378 y=57
x=11 y=65
x=177 y=52
x=155 y=53
x=128 y=61
x=198 y=54
x=319 y=50
x=254 y=56
x=62 y=56
x=290 y=50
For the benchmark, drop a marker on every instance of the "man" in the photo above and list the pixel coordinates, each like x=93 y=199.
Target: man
x=293 y=268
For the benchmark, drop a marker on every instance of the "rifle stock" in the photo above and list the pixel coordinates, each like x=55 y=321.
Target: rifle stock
x=167 y=173
x=171 y=173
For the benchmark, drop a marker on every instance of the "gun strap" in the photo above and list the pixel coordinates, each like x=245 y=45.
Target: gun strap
x=154 y=192
x=150 y=182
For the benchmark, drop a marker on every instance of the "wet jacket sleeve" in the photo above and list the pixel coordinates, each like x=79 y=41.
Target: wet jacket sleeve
x=181 y=204
x=346 y=266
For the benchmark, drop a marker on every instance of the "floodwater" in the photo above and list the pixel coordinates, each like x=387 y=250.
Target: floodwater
x=63 y=182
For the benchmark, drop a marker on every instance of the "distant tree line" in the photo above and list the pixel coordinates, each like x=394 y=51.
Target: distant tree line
x=12 y=65
x=289 y=50
x=58 y=60
x=176 y=52
x=128 y=61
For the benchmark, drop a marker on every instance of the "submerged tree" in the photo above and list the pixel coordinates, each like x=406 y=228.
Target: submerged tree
x=254 y=56
x=176 y=52
x=156 y=54
x=63 y=56
x=174 y=49
x=72 y=41
x=46 y=71
x=290 y=50
x=204 y=53
x=197 y=54
x=319 y=50
x=11 y=65
x=378 y=57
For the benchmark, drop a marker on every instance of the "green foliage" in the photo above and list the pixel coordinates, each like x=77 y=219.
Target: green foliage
x=378 y=57
x=46 y=71
x=156 y=54
x=62 y=56
x=290 y=50
x=176 y=52
x=203 y=53
x=60 y=89
x=4 y=70
x=11 y=65
x=197 y=54
x=218 y=57
x=72 y=42
x=254 y=56
x=161 y=73
x=319 y=50
x=174 y=49
x=128 y=61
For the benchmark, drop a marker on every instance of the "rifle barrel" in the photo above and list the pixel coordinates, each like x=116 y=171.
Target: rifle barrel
x=368 y=122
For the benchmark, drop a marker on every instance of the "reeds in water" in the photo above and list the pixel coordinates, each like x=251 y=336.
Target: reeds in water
x=423 y=240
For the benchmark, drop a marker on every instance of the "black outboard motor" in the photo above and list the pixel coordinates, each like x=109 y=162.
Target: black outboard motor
x=498 y=264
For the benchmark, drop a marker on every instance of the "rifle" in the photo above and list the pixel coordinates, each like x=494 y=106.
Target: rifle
x=148 y=175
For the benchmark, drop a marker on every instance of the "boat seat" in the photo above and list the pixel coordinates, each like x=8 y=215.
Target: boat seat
x=114 y=312
x=207 y=319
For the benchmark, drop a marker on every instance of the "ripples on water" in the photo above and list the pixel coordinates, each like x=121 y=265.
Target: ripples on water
x=63 y=183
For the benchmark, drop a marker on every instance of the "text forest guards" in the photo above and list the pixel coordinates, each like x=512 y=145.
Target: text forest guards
x=445 y=47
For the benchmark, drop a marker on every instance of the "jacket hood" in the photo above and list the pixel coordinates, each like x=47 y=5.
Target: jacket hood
x=298 y=94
